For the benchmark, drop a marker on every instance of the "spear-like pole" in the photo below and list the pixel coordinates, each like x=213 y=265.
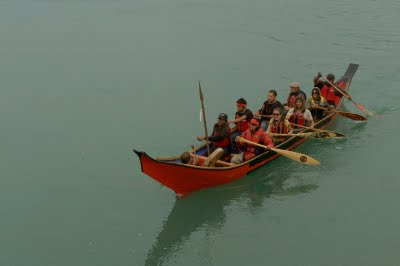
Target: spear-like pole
x=204 y=118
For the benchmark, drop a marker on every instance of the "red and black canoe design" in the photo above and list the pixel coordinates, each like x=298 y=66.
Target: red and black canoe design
x=185 y=179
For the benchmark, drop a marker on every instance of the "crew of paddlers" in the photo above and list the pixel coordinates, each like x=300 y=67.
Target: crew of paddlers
x=273 y=117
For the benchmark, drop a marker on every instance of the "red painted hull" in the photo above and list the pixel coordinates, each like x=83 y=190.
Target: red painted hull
x=185 y=179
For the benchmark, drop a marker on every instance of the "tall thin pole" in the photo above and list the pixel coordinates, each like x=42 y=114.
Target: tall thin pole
x=204 y=118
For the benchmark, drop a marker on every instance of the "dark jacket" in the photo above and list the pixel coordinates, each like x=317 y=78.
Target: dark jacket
x=224 y=132
x=268 y=108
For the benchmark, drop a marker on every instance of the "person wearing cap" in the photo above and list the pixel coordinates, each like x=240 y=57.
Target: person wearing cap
x=268 y=107
x=242 y=121
x=294 y=92
x=299 y=115
x=315 y=101
x=327 y=90
x=221 y=135
x=255 y=134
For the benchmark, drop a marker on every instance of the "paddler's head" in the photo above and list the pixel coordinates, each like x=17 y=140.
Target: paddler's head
x=272 y=96
x=254 y=124
x=294 y=86
x=277 y=114
x=241 y=105
x=222 y=119
x=299 y=103
x=185 y=157
x=316 y=94
x=330 y=77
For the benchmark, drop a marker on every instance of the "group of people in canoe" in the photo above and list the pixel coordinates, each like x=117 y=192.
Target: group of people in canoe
x=272 y=118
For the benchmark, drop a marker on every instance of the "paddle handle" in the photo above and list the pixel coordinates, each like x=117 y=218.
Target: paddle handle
x=253 y=143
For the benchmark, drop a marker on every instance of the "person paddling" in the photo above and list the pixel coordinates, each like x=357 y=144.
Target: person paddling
x=294 y=92
x=268 y=107
x=315 y=101
x=221 y=135
x=299 y=114
x=327 y=90
x=242 y=121
x=255 y=134
x=278 y=124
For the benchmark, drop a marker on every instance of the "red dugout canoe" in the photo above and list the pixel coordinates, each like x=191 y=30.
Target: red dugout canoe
x=185 y=179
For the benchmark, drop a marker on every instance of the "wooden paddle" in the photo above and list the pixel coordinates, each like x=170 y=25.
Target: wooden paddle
x=204 y=118
x=267 y=116
x=353 y=116
x=336 y=134
x=298 y=157
x=359 y=106
x=314 y=135
x=218 y=162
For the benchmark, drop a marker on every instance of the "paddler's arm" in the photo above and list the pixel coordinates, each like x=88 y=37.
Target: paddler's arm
x=317 y=77
x=268 y=142
x=309 y=103
x=243 y=117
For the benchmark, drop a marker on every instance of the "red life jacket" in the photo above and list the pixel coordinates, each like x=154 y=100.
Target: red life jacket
x=328 y=92
x=258 y=137
x=298 y=119
x=280 y=128
x=224 y=142
x=242 y=125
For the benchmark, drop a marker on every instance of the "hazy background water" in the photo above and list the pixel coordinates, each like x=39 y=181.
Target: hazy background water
x=84 y=82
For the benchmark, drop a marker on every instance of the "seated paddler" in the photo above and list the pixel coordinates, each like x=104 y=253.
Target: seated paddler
x=242 y=120
x=315 y=102
x=279 y=125
x=268 y=107
x=255 y=134
x=326 y=88
x=299 y=115
x=220 y=136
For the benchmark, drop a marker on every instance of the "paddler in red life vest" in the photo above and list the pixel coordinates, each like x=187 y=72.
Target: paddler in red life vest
x=278 y=124
x=255 y=134
x=327 y=90
x=268 y=107
x=316 y=100
x=221 y=135
x=299 y=114
x=242 y=121
x=294 y=92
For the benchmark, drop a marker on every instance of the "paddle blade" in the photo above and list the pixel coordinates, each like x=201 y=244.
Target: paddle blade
x=353 y=116
x=298 y=157
x=324 y=134
x=362 y=108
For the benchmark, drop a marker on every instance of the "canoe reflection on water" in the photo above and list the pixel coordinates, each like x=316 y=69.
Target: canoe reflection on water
x=207 y=209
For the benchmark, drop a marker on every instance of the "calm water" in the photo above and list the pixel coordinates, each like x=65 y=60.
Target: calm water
x=84 y=82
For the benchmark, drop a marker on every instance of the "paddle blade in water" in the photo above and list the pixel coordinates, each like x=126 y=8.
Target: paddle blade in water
x=326 y=135
x=353 y=116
